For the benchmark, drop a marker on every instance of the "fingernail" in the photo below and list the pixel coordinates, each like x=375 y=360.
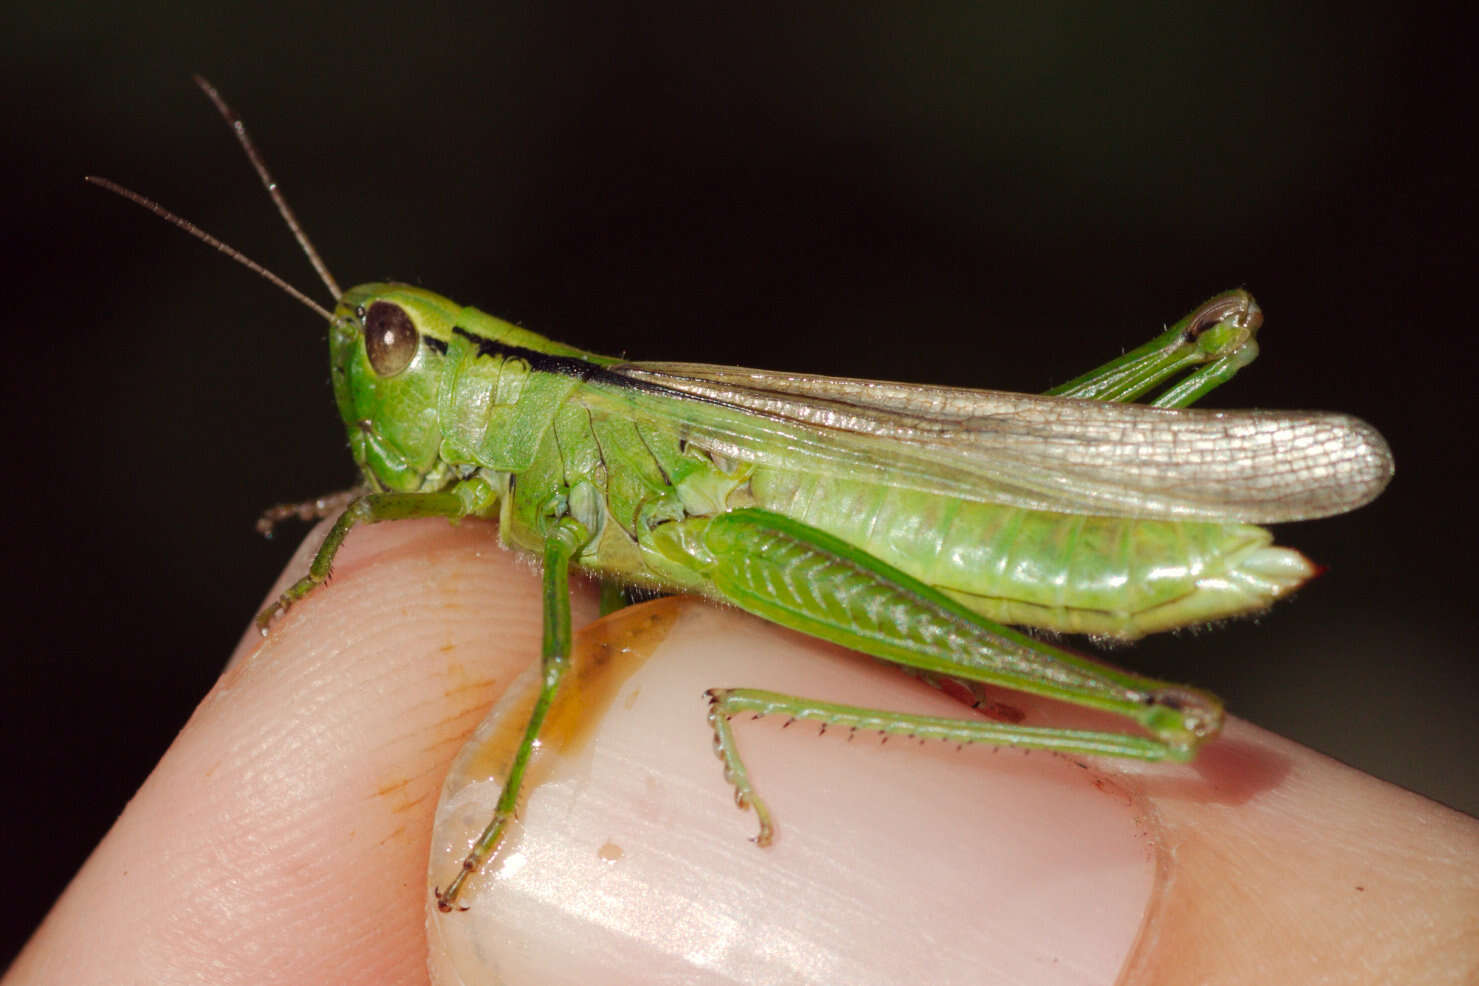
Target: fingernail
x=893 y=862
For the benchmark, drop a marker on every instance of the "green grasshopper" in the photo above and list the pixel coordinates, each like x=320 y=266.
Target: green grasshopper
x=912 y=523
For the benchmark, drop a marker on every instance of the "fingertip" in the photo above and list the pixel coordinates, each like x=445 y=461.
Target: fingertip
x=284 y=834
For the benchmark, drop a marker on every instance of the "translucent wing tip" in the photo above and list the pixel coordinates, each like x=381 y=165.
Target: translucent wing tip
x=1378 y=465
x=1359 y=464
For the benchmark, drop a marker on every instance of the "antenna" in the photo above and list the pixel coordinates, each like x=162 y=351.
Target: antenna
x=239 y=128
x=209 y=240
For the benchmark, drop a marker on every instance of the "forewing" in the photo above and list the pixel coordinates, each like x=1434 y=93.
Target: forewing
x=1044 y=453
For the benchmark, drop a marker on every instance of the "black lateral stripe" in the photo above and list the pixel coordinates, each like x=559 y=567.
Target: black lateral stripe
x=573 y=366
x=570 y=366
x=435 y=345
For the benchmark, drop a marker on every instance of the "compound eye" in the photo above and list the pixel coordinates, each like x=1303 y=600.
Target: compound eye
x=390 y=338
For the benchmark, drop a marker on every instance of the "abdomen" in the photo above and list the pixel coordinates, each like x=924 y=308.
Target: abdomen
x=1110 y=576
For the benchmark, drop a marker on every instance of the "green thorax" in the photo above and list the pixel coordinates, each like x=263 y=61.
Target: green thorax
x=400 y=359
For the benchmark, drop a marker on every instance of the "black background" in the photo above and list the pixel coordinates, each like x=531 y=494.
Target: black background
x=959 y=193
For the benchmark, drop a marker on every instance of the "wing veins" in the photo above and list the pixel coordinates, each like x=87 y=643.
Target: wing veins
x=1044 y=453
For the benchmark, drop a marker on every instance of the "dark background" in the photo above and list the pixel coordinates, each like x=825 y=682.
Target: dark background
x=963 y=193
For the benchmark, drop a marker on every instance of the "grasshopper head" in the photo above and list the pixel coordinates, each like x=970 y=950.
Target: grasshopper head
x=387 y=347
